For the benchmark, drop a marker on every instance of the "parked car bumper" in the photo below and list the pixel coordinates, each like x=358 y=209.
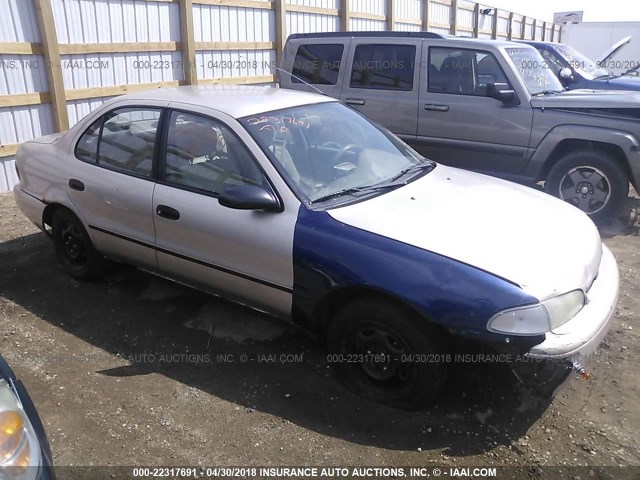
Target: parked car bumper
x=579 y=338
x=45 y=470
x=30 y=206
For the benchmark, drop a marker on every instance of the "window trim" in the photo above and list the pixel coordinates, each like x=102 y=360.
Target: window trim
x=386 y=89
x=162 y=149
x=488 y=52
x=102 y=118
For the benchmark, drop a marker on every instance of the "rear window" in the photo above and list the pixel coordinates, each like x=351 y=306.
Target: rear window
x=383 y=67
x=317 y=63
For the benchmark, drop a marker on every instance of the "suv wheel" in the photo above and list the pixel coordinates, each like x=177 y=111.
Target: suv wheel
x=592 y=181
x=386 y=353
x=74 y=248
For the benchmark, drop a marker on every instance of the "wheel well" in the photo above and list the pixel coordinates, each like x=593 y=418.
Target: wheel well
x=571 y=145
x=47 y=216
x=331 y=303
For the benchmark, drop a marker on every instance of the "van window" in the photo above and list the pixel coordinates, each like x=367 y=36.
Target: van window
x=462 y=71
x=383 y=67
x=317 y=63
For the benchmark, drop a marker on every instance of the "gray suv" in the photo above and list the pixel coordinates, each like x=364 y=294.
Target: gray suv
x=485 y=105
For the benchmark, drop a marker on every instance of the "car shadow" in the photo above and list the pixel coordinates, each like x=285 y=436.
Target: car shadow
x=254 y=360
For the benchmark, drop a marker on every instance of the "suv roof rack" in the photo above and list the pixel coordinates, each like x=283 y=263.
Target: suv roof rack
x=367 y=34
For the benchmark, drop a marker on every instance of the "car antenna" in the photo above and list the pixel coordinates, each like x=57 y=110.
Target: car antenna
x=301 y=80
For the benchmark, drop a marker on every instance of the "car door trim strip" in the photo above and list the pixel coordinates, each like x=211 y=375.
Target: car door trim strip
x=194 y=260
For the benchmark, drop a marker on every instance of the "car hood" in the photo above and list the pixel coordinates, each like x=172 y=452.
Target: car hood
x=591 y=99
x=625 y=83
x=614 y=50
x=536 y=241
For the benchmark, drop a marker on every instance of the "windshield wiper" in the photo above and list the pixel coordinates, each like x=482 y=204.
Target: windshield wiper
x=546 y=92
x=413 y=168
x=388 y=184
x=352 y=190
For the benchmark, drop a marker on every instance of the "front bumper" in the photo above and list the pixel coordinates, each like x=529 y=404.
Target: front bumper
x=579 y=338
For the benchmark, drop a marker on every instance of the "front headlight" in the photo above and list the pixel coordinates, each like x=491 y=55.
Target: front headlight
x=540 y=318
x=19 y=447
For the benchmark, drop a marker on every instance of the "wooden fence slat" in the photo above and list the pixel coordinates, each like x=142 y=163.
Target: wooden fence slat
x=52 y=59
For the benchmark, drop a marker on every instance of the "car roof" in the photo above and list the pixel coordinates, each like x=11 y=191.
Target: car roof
x=360 y=34
x=384 y=34
x=234 y=100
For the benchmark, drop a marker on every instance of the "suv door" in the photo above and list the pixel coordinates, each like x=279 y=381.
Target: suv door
x=110 y=181
x=244 y=254
x=459 y=125
x=316 y=61
x=382 y=82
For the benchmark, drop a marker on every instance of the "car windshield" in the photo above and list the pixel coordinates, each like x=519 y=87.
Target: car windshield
x=327 y=150
x=533 y=70
x=583 y=65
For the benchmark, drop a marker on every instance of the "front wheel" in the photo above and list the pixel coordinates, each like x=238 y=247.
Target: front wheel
x=592 y=181
x=386 y=353
x=74 y=248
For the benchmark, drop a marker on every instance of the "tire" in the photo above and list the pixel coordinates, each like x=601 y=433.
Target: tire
x=377 y=327
x=592 y=181
x=74 y=248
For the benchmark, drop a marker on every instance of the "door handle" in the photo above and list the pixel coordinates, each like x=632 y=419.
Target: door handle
x=436 y=108
x=355 y=101
x=167 y=212
x=76 y=185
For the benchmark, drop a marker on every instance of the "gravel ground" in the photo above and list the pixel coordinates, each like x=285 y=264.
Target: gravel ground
x=131 y=370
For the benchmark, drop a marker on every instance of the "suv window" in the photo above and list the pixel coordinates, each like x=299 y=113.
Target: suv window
x=384 y=67
x=317 y=64
x=204 y=154
x=462 y=71
x=128 y=139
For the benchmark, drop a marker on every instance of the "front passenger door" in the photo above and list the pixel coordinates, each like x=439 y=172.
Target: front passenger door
x=242 y=254
x=459 y=125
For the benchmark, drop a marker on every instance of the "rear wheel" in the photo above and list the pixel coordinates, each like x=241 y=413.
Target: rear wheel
x=383 y=351
x=592 y=181
x=74 y=248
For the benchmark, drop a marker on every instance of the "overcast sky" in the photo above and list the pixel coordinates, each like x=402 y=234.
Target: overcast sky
x=594 y=10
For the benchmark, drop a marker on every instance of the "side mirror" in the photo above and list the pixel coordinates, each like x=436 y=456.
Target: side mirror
x=249 y=197
x=566 y=76
x=502 y=92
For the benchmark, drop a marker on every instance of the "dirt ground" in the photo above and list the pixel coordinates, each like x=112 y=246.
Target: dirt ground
x=136 y=370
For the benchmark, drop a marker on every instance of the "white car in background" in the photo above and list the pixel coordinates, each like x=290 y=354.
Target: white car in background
x=299 y=206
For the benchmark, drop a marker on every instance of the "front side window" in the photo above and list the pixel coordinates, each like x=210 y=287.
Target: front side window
x=462 y=71
x=128 y=140
x=327 y=150
x=317 y=64
x=205 y=155
x=383 y=67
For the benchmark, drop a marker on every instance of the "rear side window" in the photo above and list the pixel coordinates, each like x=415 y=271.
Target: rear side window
x=128 y=140
x=384 y=67
x=317 y=64
x=87 y=147
x=123 y=140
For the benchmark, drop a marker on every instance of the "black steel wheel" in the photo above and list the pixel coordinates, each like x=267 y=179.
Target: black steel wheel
x=74 y=248
x=385 y=352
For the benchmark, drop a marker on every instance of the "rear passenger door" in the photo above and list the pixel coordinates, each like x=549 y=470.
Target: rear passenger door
x=110 y=181
x=382 y=82
x=459 y=124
